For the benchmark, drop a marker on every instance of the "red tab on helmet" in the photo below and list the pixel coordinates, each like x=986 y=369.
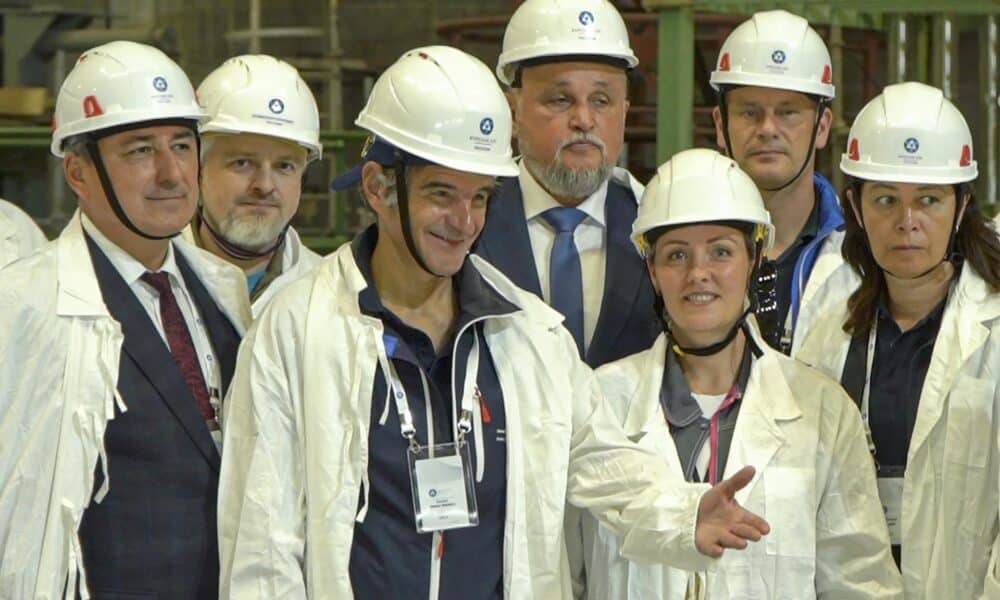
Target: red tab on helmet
x=966 y=156
x=53 y=122
x=91 y=107
x=827 y=74
x=854 y=153
x=724 y=63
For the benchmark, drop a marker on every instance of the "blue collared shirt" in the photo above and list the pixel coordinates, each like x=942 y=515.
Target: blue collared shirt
x=389 y=559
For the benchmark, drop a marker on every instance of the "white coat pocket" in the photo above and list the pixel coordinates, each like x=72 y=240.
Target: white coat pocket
x=790 y=508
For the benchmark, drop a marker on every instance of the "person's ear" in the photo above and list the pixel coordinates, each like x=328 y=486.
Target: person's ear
x=825 y=125
x=74 y=173
x=720 y=134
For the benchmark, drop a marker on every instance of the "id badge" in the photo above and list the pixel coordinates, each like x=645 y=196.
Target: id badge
x=444 y=493
x=890 y=493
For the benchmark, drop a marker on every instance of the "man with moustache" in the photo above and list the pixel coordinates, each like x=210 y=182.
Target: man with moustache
x=407 y=423
x=560 y=229
x=261 y=133
x=119 y=343
x=774 y=81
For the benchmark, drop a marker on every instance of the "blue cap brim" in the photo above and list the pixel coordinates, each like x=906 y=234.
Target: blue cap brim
x=381 y=152
x=348 y=179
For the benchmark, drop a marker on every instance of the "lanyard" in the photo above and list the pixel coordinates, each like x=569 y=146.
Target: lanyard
x=713 y=434
x=469 y=390
x=866 y=391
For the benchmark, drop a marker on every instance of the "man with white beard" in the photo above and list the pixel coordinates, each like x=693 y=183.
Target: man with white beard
x=261 y=133
x=561 y=228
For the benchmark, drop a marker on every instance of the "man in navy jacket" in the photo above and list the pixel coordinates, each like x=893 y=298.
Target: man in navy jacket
x=561 y=227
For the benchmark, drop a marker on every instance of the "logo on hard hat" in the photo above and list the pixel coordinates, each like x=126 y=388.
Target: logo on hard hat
x=91 y=107
x=724 y=63
x=854 y=153
x=827 y=74
x=486 y=126
x=911 y=145
x=778 y=57
x=276 y=106
x=160 y=84
x=586 y=18
x=966 y=159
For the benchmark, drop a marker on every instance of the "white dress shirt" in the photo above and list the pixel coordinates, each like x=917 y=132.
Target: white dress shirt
x=131 y=270
x=590 y=237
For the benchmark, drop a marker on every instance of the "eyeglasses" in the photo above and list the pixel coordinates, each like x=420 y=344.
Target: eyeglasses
x=766 y=309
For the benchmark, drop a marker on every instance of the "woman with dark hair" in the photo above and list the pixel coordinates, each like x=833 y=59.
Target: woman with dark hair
x=917 y=345
x=710 y=396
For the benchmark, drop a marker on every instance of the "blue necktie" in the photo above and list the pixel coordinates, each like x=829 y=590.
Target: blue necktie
x=565 y=275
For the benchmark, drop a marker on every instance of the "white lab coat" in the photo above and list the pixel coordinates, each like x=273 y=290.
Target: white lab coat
x=296 y=260
x=58 y=376
x=815 y=485
x=296 y=435
x=19 y=235
x=830 y=283
x=950 y=490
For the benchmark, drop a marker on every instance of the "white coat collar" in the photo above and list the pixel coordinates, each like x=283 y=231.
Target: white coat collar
x=964 y=330
x=79 y=294
x=225 y=282
x=768 y=404
x=345 y=281
x=292 y=250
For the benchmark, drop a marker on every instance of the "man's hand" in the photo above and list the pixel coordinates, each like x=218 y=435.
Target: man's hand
x=722 y=522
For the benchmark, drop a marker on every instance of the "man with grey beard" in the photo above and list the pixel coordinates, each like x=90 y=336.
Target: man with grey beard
x=261 y=133
x=561 y=227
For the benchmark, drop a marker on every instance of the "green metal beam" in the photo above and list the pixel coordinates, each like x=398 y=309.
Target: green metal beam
x=31 y=137
x=675 y=82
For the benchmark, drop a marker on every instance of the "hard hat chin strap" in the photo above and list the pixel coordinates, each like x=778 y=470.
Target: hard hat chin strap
x=403 y=204
x=237 y=251
x=711 y=349
x=102 y=172
x=821 y=106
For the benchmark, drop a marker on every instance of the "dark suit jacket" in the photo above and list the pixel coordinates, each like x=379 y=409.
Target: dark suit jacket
x=626 y=323
x=154 y=534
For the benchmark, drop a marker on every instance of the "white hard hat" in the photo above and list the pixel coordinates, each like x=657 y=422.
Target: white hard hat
x=910 y=133
x=256 y=93
x=441 y=106
x=775 y=49
x=542 y=28
x=700 y=186
x=121 y=83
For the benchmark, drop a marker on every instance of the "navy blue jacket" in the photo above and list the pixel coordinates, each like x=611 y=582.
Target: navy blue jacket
x=154 y=535
x=626 y=323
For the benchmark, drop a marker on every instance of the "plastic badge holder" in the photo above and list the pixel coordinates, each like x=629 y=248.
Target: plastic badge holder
x=442 y=486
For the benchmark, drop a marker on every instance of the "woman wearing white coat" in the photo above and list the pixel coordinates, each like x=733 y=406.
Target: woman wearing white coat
x=711 y=395
x=917 y=345
x=401 y=342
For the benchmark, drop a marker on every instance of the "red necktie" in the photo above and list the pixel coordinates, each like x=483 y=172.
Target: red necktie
x=179 y=340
